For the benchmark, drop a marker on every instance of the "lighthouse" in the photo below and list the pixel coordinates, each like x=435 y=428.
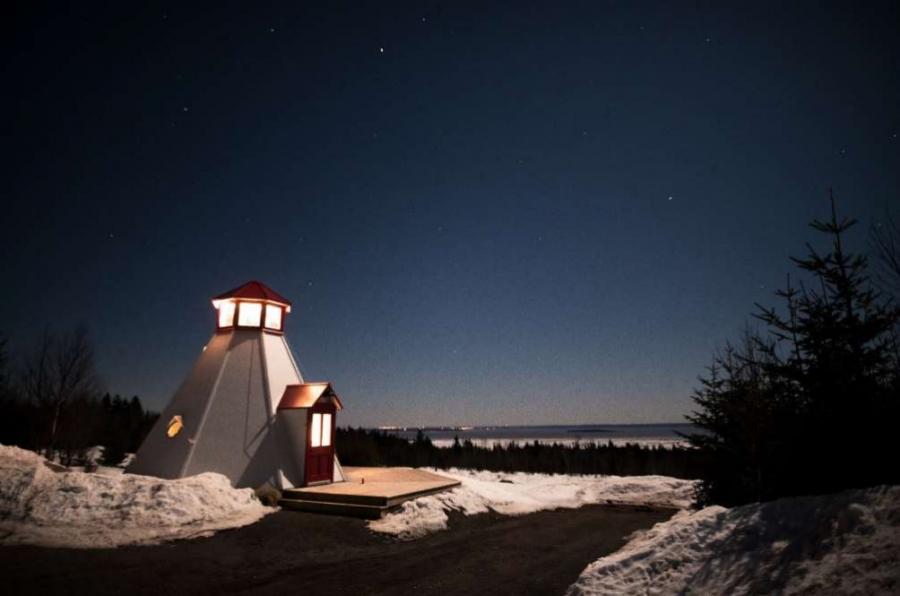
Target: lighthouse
x=244 y=409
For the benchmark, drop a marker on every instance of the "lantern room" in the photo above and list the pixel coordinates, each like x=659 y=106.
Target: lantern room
x=251 y=306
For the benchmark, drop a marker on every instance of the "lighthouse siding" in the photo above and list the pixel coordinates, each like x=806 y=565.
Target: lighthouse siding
x=281 y=370
x=228 y=423
x=238 y=418
x=167 y=457
x=291 y=427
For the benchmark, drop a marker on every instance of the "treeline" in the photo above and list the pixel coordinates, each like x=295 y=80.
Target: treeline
x=50 y=403
x=809 y=403
x=365 y=447
x=116 y=423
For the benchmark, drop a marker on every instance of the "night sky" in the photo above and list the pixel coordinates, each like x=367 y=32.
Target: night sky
x=514 y=214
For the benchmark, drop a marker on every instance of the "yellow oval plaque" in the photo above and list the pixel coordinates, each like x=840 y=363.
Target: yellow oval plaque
x=175 y=426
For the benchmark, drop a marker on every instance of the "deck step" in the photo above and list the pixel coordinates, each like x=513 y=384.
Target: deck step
x=335 y=508
x=373 y=500
x=333 y=497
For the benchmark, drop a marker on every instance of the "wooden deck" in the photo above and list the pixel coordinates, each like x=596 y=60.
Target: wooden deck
x=368 y=492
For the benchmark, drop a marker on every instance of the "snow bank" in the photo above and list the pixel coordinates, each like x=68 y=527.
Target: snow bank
x=520 y=493
x=75 y=509
x=847 y=543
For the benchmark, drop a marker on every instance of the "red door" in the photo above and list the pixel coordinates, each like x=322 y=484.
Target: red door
x=320 y=444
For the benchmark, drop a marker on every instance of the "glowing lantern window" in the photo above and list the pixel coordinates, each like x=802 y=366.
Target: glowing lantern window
x=273 y=317
x=226 y=314
x=250 y=314
x=252 y=305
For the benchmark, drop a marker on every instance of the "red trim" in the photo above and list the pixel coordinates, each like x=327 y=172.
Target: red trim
x=308 y=395
x=254 y=290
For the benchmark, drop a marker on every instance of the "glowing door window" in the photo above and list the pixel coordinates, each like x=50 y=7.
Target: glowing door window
x=315 y=439
x=326 y=430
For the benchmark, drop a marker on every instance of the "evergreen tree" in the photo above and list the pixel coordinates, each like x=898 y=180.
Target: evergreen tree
x=808 y=406
x=5 y=392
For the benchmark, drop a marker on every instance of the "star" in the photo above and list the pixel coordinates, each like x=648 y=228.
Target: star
x=381 y=50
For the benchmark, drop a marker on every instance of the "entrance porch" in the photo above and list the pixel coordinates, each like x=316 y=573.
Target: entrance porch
x=368 y=492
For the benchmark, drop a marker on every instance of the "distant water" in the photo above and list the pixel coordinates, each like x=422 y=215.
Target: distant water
x=619 y=434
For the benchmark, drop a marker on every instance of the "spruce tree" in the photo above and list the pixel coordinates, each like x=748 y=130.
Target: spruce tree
x=808 y=405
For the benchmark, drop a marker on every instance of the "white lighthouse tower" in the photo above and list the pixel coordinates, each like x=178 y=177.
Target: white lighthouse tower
x=244 y=410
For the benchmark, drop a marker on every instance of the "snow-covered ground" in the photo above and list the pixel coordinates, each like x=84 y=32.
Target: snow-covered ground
x=846 y=543
x=520 y=493
x=76 y=509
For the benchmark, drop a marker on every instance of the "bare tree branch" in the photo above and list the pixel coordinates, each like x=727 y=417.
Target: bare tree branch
x=60 y=370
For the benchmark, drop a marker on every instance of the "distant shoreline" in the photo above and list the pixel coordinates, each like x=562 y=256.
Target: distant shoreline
x=583 y=427
x=650 y=435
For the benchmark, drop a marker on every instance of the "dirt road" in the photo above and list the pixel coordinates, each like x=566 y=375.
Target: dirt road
x=307 y=554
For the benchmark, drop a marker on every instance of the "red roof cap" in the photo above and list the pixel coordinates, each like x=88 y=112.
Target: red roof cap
x=254 y=290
